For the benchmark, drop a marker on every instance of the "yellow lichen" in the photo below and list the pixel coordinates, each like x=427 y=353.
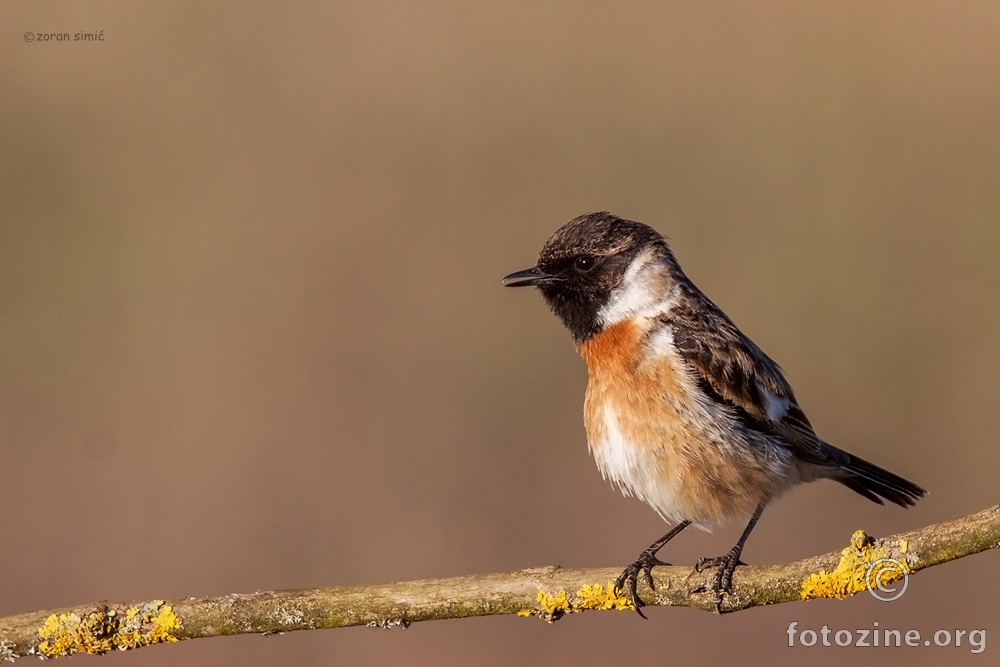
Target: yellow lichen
x=594 y=597
x=104 y=629
x=853 y=573
x=553 y=607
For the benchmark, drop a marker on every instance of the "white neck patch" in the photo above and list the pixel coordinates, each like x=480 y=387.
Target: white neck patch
x=643 y=291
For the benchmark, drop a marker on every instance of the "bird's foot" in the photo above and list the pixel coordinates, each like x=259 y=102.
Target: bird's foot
x=630 y=577
x=722 y=583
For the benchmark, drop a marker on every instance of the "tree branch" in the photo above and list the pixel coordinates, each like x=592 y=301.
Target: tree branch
x=548 y=592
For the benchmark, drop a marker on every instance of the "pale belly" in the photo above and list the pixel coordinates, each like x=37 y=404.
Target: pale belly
x=680 y=458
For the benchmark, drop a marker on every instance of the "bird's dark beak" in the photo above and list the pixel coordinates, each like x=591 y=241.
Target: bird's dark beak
x=528 y=278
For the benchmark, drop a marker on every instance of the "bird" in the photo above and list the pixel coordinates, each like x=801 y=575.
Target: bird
x=682 y=410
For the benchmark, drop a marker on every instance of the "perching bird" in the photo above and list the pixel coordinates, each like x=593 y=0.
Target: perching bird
x=682 y=410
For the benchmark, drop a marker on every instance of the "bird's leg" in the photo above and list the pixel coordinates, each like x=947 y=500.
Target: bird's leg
x=646 y=561
x=723 y=580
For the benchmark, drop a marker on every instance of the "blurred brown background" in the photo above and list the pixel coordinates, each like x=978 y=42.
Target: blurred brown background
x=253 y=336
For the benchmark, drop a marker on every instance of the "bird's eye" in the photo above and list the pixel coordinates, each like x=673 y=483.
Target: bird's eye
x=584 y=264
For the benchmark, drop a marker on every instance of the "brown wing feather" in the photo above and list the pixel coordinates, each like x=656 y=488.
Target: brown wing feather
x=735 y=371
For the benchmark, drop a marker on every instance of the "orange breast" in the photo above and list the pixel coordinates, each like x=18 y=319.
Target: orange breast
x=641 y=391
x=650 y=433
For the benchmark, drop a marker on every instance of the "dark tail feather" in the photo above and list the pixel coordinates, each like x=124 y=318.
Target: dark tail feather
x=875 y=483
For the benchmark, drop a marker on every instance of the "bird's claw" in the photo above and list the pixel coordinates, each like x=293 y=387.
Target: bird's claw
x=722 y=582
x=630 y=576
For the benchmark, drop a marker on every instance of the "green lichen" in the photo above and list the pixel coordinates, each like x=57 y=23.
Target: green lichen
x=859 y=567
x=286 y=617
x=7 y=653
x=104 y=629
x=553 y=607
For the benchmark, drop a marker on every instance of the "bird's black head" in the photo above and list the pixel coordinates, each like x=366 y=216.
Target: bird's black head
x=582 y=264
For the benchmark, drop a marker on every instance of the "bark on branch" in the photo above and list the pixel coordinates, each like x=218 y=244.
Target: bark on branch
x=548 y=592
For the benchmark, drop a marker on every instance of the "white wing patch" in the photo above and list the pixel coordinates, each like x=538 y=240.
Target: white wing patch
x=777 y=407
